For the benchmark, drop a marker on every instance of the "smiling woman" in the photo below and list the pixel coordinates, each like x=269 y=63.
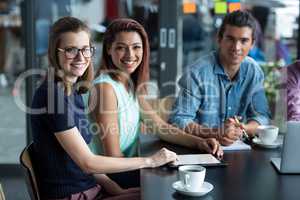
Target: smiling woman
x=59 y=137
x=68 y=67
x=72 y=58
x=117 y=101
x=127 y=51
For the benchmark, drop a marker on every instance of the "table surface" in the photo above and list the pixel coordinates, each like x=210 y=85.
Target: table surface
x=248 y=175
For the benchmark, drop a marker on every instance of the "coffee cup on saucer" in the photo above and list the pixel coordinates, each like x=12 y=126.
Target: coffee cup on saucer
x=267 y=133
x=192 y=177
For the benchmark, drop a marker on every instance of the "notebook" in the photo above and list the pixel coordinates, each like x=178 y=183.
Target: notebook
x=237 y=145
x=197 y=159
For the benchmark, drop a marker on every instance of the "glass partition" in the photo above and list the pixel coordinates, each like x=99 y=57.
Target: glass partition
x=24 y=28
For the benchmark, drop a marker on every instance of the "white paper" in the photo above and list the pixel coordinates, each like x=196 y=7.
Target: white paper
x=237 y=145
x=193 y=159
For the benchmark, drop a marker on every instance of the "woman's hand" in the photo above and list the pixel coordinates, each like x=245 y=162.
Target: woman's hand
x=111 y=187
x=212 y=146
x=161 y=157
x=131 y=190
x=115 y=190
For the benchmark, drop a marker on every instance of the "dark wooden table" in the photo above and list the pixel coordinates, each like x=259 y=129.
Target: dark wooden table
x=249 y=175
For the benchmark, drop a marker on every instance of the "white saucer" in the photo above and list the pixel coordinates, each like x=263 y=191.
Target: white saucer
x=277 y=143
x=206 y=188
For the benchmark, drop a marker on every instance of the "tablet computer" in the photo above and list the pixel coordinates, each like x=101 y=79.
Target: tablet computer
x=198 y=159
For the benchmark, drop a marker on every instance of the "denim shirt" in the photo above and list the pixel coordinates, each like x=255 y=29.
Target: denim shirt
x=208 y=97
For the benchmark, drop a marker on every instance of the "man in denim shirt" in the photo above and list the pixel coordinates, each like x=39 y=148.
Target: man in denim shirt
x=222 y=85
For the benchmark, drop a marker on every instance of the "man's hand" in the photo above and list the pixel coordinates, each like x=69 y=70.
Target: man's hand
x=231 y=132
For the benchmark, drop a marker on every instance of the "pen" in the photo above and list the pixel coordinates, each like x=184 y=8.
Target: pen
x=239 y=124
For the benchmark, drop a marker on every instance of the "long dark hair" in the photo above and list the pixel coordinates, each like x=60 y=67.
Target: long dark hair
x=141 y=74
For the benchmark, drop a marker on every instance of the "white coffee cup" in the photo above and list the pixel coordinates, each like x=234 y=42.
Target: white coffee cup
x=192 y=177
x=267 y=133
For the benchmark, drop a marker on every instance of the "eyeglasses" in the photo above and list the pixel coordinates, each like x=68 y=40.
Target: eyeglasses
x=72 y=52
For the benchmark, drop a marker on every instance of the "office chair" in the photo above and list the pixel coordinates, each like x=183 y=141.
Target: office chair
x=26 y=160
x=2 y=197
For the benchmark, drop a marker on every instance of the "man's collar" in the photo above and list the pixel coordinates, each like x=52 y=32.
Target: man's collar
x=219 y=69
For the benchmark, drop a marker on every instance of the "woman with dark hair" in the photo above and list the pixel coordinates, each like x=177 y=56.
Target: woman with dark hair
x=67 y=169
x=117 y=101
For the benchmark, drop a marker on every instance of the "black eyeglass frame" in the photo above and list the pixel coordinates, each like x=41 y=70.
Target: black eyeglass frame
x=64 y=50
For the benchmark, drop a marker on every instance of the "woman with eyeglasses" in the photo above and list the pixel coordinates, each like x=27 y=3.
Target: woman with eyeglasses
x=66 y=167
x=117 y=104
